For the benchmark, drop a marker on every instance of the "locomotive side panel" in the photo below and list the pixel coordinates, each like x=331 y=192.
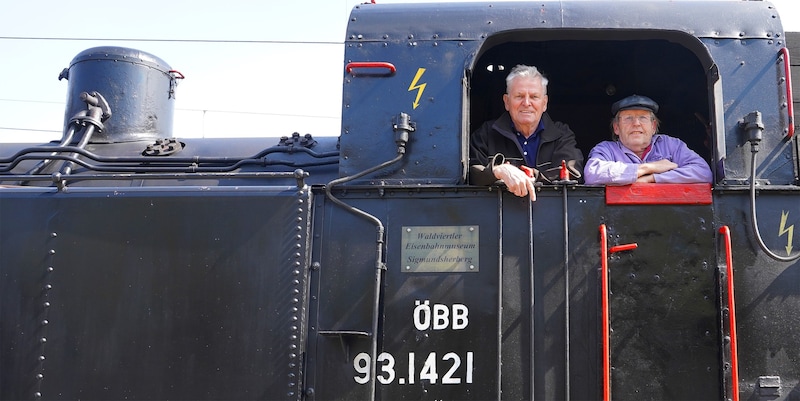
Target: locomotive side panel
x=425 y=82
x=766 y=292
x=150 y=295
x=443 y=294
x=24 y=260
x=343 y=296
x=763 y=67
x=664 y=319
x=439 y=300
x=451 y=327
x=566 y=288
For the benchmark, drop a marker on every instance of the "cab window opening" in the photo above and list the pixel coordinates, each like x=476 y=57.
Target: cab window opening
x=588 y=73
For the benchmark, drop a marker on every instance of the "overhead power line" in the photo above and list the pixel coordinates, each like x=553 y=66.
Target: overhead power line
x=29 y=129
x=277 y=42
x=189 y=109
x=30 y=101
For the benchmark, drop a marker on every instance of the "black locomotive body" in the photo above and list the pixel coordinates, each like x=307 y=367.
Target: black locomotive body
x=136 y=265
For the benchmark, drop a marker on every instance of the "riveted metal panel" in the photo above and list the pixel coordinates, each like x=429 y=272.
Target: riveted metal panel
x=666 y=335
x=153 y=294
x=474 y=21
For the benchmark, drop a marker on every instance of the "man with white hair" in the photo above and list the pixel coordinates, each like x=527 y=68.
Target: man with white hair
x=524 y=143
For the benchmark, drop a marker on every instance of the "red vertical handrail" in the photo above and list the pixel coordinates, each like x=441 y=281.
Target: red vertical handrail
x=604 y=252
x=787 y=71
x=604 y=306
x=726 y=235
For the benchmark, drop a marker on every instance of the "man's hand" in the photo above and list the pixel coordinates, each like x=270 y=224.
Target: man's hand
x=646 y=178
x=516 y=180
x=645 y=171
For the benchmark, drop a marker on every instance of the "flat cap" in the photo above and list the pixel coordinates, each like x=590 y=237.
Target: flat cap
x=636 y=102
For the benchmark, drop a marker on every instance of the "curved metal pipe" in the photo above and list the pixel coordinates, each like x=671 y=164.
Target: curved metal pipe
x=402 y=129
x=175 y=160
x=44 y=163
x=380 y=265
x=87 y=135
x=128 y=164
x=753 y=216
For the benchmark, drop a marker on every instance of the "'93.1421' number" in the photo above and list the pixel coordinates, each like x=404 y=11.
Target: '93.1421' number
x=450 y=365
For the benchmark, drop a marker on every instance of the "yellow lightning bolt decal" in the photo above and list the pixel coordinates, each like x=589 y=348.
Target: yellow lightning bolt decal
x=420 y=87
x=784 y=230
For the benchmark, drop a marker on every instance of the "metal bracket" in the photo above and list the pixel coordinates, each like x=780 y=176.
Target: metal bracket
x=163 y=147
x=769 y=386
x=307 y=141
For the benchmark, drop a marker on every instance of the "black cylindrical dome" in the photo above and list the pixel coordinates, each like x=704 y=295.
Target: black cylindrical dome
x=139 y=88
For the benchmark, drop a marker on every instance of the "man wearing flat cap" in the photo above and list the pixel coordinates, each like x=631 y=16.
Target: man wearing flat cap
x=640 y=154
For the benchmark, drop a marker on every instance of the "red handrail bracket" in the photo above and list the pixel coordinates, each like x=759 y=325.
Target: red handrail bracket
x=176 y=74
x=624 y=247
x=370 y=65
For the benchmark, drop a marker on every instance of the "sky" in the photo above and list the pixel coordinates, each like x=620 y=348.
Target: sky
x=252 y=68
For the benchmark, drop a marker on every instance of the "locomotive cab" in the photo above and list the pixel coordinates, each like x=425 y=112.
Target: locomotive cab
x=442 y=68
x=447 y=74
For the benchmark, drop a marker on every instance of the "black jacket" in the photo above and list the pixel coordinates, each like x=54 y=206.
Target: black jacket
x=497 y=137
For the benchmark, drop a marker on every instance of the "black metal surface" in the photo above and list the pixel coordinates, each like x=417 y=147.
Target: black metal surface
x=666 y=336
x=435 y=150
x=370 y=22
x=766 y=290
x=586 y=213
x=149 y=295
x=345 y=294
x=498 y=338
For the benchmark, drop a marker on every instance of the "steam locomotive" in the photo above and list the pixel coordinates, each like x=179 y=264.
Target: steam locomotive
x=138 y=265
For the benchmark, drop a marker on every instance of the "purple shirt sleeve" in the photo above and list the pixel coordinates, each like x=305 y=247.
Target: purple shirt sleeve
x=611 y=163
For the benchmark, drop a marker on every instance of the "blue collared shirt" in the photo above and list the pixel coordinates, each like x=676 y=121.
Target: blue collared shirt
x=530 y=145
